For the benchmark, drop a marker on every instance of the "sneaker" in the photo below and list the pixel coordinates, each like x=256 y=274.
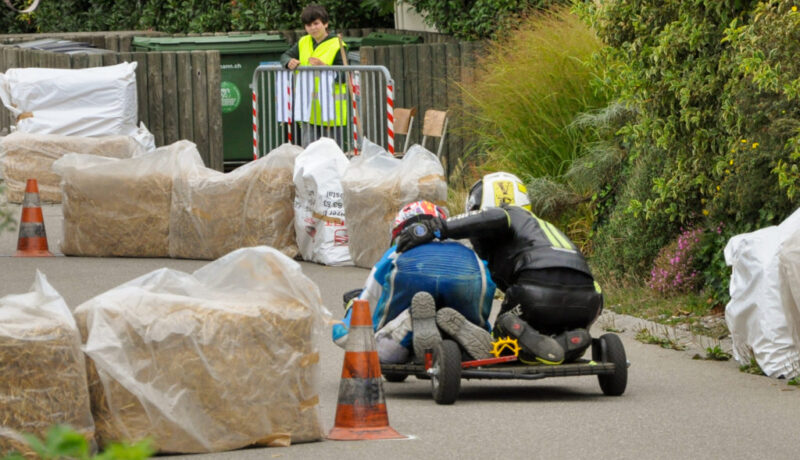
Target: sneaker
x=472 y=338
x=423 y=323
x=574 y=342
x=534 y=345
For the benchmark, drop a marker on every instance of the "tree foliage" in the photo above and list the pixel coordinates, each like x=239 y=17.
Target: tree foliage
x=714 y=84
x=477 y=19
x=185 y=16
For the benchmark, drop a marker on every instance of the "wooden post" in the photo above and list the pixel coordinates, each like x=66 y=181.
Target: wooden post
x=185 y=101
x=200 y=95
x=170 y=97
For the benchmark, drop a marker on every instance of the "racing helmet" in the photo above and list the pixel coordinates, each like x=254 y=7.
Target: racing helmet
x=415 y=212
x=495 y=189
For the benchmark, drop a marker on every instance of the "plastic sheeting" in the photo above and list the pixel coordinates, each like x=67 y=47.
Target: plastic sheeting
x=222 y=358
x=42 y=370
x=319 y=216
x=214 y=213
x=760 y=315
x=376 y=186
x=97 y=101
x=26 y=156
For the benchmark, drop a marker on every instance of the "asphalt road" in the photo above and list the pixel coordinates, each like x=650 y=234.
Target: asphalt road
x=674 y=408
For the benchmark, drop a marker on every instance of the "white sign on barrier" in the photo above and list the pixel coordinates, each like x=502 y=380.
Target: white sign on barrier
x=344 y=103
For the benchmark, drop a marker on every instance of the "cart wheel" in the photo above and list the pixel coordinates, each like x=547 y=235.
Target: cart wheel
x=612 y=351
x=446 y=372
x=393 y=377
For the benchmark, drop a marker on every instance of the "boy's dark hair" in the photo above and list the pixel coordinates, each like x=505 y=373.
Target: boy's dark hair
x=313 y=12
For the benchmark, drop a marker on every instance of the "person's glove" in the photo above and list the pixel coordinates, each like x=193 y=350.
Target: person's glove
x=420 y=233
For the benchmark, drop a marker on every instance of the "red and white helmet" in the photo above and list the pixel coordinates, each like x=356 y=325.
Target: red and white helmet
x=415 y=212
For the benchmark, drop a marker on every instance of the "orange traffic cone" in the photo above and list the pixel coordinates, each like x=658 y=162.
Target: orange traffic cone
x=361 y=411
x=32 y=237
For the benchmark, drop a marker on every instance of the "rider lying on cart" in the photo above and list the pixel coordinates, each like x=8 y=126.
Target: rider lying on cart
x=551 y=298
x=441 y=285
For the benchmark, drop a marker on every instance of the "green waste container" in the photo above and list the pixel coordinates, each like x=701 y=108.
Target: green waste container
x=381 y=39
x=353 y=43
x=239 y=57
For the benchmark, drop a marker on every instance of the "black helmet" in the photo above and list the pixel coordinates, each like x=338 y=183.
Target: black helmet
x=474 y=199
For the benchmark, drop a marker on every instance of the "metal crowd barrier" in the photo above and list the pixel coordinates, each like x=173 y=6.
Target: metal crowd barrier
x=300 y=106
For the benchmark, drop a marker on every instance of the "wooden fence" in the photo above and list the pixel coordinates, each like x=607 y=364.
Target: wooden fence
x=426 y=76
x=179 y=92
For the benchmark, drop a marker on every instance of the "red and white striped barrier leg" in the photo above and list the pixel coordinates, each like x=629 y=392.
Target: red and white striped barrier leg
x=289 y=105
x=390 y=116
x=255 y=128
x=354 y=91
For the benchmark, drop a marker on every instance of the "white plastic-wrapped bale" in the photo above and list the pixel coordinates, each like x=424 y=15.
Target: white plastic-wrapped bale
x=757 y=317
x=224 y=358
x=121 y=207
x=42 y=370
x=30 y=156
x=94 y=101
x=214 y=213
x=376 y=186
x=319 y=216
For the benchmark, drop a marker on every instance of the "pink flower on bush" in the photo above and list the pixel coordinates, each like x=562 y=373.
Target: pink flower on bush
x=673 y=271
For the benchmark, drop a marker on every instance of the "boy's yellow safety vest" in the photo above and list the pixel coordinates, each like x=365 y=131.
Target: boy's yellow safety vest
x=326 y=52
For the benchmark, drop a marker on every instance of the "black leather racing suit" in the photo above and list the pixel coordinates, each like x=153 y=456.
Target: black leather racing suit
x=545 y=278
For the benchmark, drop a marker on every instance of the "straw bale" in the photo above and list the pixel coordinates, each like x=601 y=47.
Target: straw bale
x=375 y=190
x=234 y=373
x=31 y=156
x=218 y=213
x=114 y=214
x=120 y=207
x=42 y=383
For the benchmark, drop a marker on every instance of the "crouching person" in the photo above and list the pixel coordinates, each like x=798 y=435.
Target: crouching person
x=551 y=298
x=438 y=286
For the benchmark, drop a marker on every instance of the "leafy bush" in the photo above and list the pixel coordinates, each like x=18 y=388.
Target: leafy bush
x=762 y=109
x=715 y=88
x=477 y=19
x=674 y=270
x=186 y=16
x=625 y=242
x=710 y=261
x=63 y=442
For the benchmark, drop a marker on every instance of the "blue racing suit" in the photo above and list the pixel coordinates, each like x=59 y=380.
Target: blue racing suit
x=451 y=272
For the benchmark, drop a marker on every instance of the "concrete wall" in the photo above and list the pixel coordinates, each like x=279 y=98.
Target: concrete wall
x=407 y=18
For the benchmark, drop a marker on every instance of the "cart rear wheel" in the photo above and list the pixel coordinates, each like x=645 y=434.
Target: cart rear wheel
x=446 y=372
x=393 y=377
x=612 y=351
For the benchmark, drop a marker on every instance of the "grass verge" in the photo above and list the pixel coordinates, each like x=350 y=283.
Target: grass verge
x=690 y=310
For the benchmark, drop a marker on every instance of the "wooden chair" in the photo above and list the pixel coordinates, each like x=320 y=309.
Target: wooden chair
x=403 y=122
x=435 y=125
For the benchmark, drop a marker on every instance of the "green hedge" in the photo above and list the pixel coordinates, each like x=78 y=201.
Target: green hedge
x=477 y=19
x=715 y=85
x=184 y=16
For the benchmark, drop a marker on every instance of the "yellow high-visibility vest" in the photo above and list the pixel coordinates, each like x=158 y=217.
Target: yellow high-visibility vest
x=326 y=52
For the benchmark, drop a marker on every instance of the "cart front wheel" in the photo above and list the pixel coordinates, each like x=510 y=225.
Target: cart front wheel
x=611 y=350
x=445 y=372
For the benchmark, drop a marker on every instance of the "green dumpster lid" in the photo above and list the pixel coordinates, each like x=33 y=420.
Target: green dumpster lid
x=380 y=38
x=353 y=42
x=226 y=44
